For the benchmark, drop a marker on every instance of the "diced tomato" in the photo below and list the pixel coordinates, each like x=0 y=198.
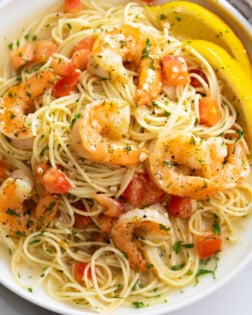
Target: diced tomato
x=194 y=81
x=141 y=191
x=53 y=180
x=80 y=58
x=81 y=221
x=180 y=207
x=209 y=245
x=86 y=43
x=3 y=170
x=208 y=111
x=62 y=67
x=22 y=56
x=67 y=84
x=72 y=6
x=175 y=70
x=43 y=49
x=81 y=52
x=79 y=269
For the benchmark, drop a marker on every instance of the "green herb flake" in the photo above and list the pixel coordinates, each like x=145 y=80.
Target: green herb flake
x=216 y=227
x=137 y=304
x=34 y=241
x=127 y=148
x=202 y=272
x=240 y=133
x=77 y=116
x=69 y=25
x=177 y=267
x=170 y=164
x=162 y=16
x=177 y=247
x=12 y=212
x=163 y=227
x=153 y=103
x=150 y=266
x=10 y=46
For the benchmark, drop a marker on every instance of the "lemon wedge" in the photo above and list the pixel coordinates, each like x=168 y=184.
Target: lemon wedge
x=192 y=21
x=237 y=83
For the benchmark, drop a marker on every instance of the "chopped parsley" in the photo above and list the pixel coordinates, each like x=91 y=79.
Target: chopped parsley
x=77 y=116
x=216 y=226
x=137 y=304
x=177 y=267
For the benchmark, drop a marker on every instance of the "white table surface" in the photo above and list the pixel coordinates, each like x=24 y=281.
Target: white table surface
x=234 y=298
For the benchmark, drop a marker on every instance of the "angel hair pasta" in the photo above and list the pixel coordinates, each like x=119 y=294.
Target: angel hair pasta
x=123 y=164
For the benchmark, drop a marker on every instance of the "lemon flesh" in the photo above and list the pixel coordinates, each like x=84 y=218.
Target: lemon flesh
x=237 y=83
x=191 y=21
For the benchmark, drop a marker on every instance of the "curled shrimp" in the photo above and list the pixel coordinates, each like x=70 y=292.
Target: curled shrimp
x=98 y=135
x=17 y=102
x=134 y=46
x=188 y=166
x=17 y=212
x=150 y=223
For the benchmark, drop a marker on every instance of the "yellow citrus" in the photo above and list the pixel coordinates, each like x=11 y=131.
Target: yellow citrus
x=237 y=83
x=191 y=21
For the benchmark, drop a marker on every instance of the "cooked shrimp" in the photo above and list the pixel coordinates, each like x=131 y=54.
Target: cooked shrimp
x=188 y=166
x=150 y=223
x=232 y=170
x=98 y=134
x=132 y=45
x=17 y=213
x=110 y=206
x=17 y=102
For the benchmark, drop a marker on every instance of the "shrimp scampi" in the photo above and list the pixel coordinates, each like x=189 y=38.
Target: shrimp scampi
x=100 y=134
x=16 y=105
x=151 y=223
x=188 y=166
x=18 y=213
x=131 y=45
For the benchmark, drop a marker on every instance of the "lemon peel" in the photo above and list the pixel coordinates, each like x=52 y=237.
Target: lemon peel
x=192 y=21
x=237 y=84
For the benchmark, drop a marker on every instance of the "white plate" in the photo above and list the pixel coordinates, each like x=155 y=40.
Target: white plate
x=15 y=14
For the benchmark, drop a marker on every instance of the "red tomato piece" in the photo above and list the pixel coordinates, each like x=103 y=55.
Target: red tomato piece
x=175 y=70
x=67 y=84
x=141 y=191
x=79 y=269
x=180 y=207
x=208 y=111
x=81 y=221
x=43 y=49
x=22 y=56
x=209 y=246
x=80 y=58
x=86 y=43
x=62 y=67
x=72 y=6
x=194 y=81
x=55 y=182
